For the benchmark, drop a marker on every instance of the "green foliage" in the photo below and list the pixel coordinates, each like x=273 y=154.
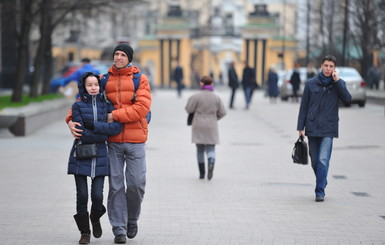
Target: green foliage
x=5 y=100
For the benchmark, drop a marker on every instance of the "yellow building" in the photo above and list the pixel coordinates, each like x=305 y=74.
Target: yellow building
x=208 y=50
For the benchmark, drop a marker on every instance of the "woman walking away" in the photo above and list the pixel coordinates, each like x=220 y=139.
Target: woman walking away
x=208 y=109
x=91 y=111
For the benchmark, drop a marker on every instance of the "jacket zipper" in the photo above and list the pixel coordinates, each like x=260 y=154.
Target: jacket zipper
x=95 y=112
x=120 y=100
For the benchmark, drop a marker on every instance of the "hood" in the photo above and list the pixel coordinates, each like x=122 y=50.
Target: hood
x=82 y=90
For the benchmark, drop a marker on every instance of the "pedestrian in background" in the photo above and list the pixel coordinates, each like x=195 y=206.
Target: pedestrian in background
x=272 y=83
x=318 y=118
x=310 y=71
x=178 y=77
x=208 y=109
x=374 y=76
x=248 y=83
x=233 y=83
x=295 y=81
x=126 y=150
x=62 y=82
x=91 y=112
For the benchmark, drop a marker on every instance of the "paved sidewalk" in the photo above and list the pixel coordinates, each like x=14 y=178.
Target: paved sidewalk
x=257 y=195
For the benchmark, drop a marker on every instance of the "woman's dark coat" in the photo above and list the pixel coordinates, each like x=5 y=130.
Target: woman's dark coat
x=272 y=82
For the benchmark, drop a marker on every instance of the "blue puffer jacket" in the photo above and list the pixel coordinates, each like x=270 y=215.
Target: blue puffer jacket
x=318 y=114
x=93 y=108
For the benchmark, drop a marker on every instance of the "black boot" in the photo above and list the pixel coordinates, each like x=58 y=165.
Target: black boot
x=211 y=168
x=95 y=221
x=201 y=170
x=82 y=220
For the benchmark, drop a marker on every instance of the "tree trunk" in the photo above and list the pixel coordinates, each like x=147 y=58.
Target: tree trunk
x=48 y=64
x=22 y=56
x=8 y=43
x=40 y=54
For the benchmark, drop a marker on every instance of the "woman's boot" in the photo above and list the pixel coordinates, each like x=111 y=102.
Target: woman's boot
x=211 y=168
x=95 y=221
x=83 y=223
x=201 y=170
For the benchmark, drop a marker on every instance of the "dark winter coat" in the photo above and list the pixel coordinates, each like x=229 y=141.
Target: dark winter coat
x=233 y=78
x=93 y=108
x=272 y=82
x=178 y=74
x=295 y=80
x=318 y=114
x=248 y=78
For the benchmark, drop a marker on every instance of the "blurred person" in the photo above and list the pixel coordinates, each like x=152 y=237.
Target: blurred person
x=75 y=76
x=318 y=118
x=208 y=109
x=295 y=81
x=126 y=151
x=91 y=112
x=233 y=83
x=310 y=71
x=178 y=77
x=272 y=83
x=248 y=83
x=374 y=76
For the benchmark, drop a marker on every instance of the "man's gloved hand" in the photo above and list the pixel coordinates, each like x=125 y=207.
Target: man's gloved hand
x=89 y=125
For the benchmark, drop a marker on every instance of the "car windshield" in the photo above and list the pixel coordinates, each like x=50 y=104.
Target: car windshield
x=349 y=73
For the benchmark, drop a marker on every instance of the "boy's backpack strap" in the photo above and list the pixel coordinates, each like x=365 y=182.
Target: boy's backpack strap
x=104 y=79
x=136 y=80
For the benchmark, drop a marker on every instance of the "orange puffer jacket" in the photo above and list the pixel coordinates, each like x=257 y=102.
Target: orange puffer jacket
x=120 y=91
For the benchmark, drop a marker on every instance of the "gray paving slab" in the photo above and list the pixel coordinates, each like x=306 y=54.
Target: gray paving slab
x=257 y=195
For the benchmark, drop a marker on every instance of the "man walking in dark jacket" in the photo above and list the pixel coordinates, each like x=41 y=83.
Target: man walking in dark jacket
x=178 y=77
x=318 y=118
x=233 y=83
x=248 y=83
x=295 y=81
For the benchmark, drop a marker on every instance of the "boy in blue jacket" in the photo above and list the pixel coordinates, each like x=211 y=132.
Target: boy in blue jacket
x=91 y=112
x=318 y=118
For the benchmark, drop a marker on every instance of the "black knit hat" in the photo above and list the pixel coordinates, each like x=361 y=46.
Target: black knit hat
x=126 y=49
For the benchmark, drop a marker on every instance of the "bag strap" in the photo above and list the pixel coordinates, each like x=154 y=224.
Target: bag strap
x=136 y=80
x=104 y=79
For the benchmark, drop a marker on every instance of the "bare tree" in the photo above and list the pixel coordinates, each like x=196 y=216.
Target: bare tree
x=53 y=14
x=367 y=29
x=26 y=16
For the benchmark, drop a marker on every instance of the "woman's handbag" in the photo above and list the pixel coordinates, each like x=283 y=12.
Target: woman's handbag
x=300 y=152
x=190 y=118
x=85 y=151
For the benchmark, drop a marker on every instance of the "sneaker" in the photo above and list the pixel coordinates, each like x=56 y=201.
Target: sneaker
x=319 y=198
x=132 y=230
x=120 y=239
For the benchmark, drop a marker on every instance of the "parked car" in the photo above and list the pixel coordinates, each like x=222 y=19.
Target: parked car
x=285 y=87
x=355 y=85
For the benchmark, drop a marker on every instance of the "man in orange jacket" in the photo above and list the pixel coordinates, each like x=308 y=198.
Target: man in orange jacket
x=128 y=147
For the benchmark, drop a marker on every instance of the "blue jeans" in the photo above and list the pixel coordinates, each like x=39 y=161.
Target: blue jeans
x=320 y=150
x=201 y=149
x=97 y=185
x=248 y=92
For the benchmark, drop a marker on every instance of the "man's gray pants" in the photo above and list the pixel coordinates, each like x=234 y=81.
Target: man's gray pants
x=124 y=203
